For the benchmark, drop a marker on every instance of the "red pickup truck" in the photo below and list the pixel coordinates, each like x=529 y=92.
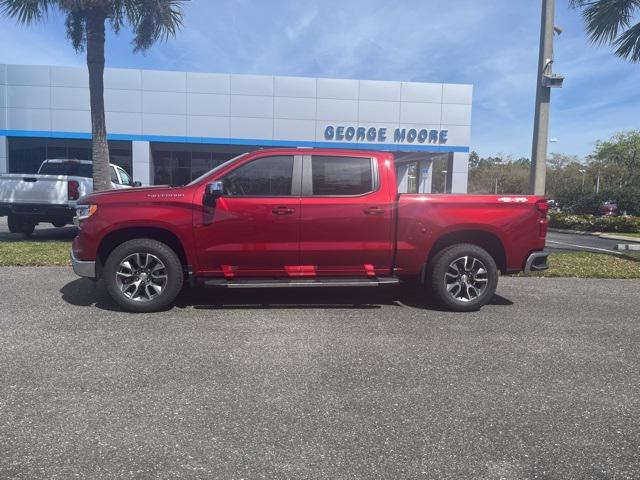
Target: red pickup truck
x=304 y=218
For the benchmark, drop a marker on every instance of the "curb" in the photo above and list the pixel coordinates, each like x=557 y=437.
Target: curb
x=608 y=236
x=574 y=232
x=620 y=237
x=624 y=246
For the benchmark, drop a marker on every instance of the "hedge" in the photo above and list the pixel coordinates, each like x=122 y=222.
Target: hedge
x=628 y=200
x=592 y=223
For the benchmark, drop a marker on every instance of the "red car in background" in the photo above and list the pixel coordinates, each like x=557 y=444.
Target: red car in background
x=304 y=218
x=608 y=208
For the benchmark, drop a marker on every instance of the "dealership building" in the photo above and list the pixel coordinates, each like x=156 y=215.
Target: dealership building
x=168 y=127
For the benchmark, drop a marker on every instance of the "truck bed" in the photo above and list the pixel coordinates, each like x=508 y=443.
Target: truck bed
x=513 y=220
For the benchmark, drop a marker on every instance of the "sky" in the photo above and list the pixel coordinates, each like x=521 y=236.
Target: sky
x=491 y=44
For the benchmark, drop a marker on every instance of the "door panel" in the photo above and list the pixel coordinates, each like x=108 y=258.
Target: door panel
x=345 y=234
x=250 y=236
x=254 y=229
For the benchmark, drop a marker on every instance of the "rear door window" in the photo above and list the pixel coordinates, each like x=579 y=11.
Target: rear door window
x=341 y=176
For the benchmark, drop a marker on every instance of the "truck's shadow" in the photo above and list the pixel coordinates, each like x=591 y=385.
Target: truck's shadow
x=82 y=292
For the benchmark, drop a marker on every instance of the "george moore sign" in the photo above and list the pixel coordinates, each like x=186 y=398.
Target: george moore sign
x=372 y=134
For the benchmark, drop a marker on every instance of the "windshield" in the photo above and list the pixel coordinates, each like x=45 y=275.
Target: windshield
x=72 y=168
x=222 y=165
x=126 y=179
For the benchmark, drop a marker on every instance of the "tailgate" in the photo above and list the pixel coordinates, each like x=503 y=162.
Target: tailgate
x=34 y=189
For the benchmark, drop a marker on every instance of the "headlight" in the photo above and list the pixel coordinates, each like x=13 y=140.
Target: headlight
x=83 y=212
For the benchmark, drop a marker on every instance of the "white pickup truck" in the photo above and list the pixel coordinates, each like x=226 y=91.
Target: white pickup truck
x=50 y=195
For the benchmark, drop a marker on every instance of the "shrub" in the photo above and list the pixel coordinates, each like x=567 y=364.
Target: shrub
x=591 y=223
x=628 y=200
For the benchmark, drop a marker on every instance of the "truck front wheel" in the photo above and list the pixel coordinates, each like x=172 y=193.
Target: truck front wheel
x=143 y=275
x=464 y=277
x=20 y=224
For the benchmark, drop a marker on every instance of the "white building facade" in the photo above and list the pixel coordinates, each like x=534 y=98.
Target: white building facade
x=170 y=127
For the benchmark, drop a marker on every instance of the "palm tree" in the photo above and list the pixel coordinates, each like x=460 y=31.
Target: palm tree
x=150 y=20
x=613 y=22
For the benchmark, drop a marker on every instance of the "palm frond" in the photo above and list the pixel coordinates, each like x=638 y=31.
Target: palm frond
x=629 y=44
x=26 y=11
x=76 y=30
x=154 y=20
x=605 y=19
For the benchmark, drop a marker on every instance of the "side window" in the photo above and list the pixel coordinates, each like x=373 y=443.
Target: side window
x=265 y=177
x=341 y=176
x=114 y=176
x=125 y=178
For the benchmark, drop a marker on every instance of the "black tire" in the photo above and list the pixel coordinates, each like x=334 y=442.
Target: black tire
x=59 y=223
x=441 y=273
x=14 y=223
x=20 y=224
x=144 y=246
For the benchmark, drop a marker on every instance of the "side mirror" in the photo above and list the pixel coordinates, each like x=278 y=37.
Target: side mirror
x=137 y=184
x=212 y=192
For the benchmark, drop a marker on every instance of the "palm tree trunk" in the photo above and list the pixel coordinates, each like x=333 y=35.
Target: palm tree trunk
x=95 y=64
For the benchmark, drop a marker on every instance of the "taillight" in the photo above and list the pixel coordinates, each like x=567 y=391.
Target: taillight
x=73 y=190
x=543 y=207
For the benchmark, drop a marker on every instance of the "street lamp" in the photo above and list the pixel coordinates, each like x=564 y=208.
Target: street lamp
x=546 y=81
x=445 y=180
x=582 y=172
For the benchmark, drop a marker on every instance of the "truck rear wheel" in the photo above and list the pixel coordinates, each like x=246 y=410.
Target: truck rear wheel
x=143 y=275
x=464 y=277
x=20 y=224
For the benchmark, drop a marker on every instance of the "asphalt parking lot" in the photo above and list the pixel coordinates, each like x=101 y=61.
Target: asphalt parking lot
x=542 y=383
x=559 y=242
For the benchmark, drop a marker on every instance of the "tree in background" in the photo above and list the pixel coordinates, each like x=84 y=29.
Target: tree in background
x=498 y=175
x=613 y=22
x=564 y=175
x=150 y=20
x=611 y=172
x=618 y=160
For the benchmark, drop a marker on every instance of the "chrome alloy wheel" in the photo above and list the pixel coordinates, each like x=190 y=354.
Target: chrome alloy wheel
x=141 y=276
x=466 y=278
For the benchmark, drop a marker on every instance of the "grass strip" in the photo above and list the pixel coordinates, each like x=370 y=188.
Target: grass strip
x=34 y=254
x=591 y=265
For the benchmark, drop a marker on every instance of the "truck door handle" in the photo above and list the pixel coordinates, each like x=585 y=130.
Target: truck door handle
x=282 y=210
x=373 y=211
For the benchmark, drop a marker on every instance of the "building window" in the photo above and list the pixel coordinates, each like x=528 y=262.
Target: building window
x=27 y=154
x=179 y=164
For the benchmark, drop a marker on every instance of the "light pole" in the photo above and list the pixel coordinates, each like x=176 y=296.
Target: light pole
x=445 y=180
x=582 y=172
x=546 y=80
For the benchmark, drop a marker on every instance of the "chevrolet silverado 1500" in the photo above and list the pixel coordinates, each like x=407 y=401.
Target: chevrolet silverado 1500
x=304 y=218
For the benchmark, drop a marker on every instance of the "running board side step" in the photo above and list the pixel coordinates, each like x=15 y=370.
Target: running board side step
x=301 y=282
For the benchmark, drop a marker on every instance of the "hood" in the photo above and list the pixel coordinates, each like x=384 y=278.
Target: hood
x=133 y=194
